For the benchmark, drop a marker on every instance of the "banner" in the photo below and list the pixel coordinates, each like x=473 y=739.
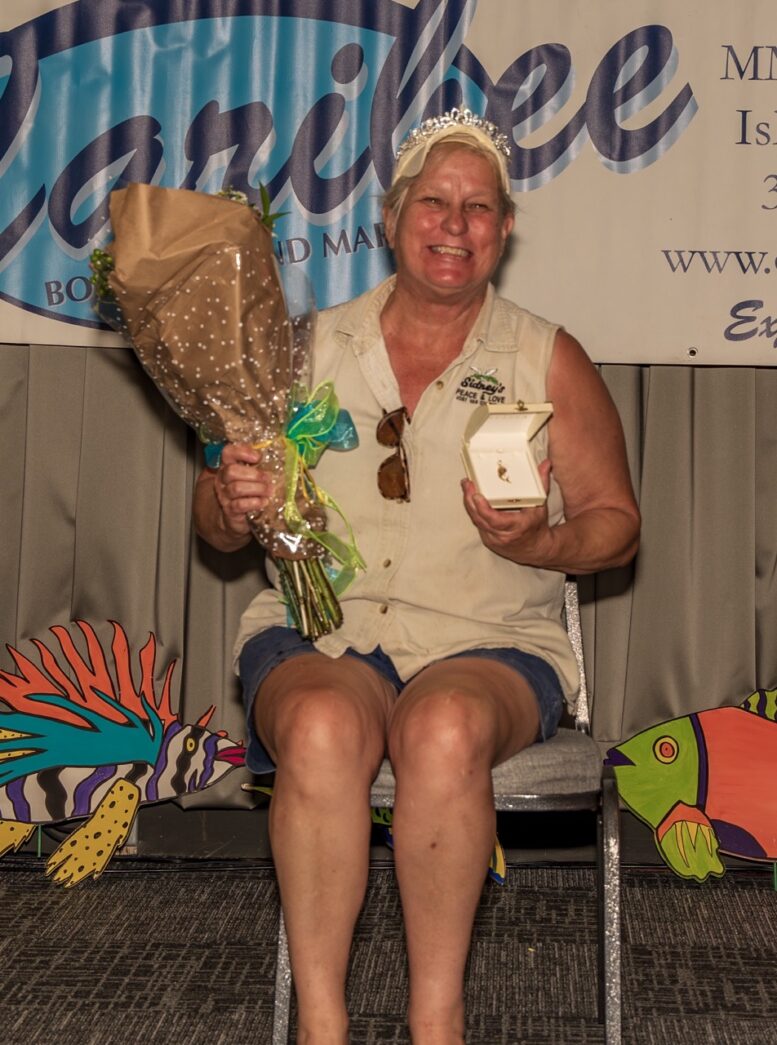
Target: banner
x=641 y=160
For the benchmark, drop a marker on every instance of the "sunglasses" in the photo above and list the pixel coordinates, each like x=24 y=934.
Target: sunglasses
x=393 y=477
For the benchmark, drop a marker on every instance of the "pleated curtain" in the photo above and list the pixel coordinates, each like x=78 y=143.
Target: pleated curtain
x=96 y=525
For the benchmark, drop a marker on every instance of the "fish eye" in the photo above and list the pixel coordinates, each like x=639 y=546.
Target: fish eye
x=190 y=745
x=665 y=749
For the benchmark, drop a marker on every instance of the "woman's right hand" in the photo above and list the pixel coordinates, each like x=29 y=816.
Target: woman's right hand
x=241 y=486
x=224 y=497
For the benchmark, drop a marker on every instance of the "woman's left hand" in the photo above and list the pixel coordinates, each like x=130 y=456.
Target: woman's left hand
x=521 y=535
x=587 y=456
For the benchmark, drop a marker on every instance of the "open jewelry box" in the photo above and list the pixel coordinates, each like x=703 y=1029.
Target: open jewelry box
x=498 y=456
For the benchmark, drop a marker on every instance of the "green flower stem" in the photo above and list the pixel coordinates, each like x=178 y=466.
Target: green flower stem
x=328 y=597
x=307 y=591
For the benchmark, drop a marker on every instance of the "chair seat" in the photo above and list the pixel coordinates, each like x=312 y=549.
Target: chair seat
x=568 y=766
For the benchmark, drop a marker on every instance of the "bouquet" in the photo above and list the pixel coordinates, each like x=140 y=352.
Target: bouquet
x=191 y=282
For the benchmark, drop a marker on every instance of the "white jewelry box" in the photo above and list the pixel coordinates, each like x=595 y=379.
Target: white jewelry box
x=497 y=454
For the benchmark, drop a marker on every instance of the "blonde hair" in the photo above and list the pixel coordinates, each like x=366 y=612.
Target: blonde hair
x=395 y=197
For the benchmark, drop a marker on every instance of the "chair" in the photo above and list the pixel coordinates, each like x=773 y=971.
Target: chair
x=563 y=774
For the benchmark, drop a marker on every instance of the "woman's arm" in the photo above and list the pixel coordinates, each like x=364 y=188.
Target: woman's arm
x=587 y=458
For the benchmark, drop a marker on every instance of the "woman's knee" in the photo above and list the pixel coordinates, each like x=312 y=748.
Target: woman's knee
x=312 y=712
x=322 y=724
x=446 y=730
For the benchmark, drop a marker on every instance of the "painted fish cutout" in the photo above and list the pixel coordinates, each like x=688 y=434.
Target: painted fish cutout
x=705 y=783
x=78 y=741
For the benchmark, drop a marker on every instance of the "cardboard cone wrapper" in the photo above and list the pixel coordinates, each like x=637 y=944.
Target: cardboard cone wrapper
x=199 y=298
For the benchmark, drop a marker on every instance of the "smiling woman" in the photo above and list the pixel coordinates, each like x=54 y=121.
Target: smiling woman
x=449 y=228
x=452 y=655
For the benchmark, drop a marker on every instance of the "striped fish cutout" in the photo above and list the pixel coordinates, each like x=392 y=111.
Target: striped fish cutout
x=78 y=740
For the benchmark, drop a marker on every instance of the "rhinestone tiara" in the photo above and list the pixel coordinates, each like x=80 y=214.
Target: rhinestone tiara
x=455 y=118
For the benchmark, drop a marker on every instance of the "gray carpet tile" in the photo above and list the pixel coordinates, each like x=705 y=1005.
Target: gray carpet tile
x=186 y=954
x=159 y=956
x=703 y=1031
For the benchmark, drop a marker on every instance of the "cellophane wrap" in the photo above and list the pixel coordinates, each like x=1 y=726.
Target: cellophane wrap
x=197 y=293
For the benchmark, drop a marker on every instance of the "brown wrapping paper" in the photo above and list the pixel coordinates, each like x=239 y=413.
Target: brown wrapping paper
x=198 y=286
x=200 y=300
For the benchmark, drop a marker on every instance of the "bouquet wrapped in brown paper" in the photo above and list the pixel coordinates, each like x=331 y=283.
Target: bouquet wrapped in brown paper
x=192 y=282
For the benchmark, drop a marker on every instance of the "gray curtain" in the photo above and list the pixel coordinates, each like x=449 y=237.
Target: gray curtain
x=692 y=625
x=95 y=518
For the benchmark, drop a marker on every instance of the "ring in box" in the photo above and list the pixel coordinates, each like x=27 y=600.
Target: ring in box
x=497 y=454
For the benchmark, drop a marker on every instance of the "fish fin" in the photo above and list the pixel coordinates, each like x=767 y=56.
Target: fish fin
x=86 y=682
x=763 y=703
x=87 y=851
x=13 y=835
x=690 y=849
x=497 y=868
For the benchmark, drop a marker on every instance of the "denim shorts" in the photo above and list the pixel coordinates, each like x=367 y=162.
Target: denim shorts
x=272 y=647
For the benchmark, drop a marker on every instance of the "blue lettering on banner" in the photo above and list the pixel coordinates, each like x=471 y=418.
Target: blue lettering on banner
x=750 y=321
x=309 y=97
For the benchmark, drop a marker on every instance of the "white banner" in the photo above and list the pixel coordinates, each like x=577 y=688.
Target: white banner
x=642 y=167
x=675 y=259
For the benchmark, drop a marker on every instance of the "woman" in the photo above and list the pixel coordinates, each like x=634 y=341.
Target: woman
x=452 y=656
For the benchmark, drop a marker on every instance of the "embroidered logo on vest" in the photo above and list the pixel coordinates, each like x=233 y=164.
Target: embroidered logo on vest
x=481 y=386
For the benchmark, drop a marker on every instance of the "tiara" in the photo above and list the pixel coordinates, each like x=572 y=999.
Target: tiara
x=455 y=118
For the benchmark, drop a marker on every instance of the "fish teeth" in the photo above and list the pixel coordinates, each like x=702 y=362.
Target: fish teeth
x=706 y=834
x=678 y=833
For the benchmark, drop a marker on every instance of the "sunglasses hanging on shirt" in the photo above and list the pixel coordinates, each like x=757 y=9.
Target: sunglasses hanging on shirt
x=393 y=475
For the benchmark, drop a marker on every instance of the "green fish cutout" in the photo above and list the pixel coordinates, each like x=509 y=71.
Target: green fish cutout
x=705 y=784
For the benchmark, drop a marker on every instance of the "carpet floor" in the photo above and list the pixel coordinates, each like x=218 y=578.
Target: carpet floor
x=184 y=952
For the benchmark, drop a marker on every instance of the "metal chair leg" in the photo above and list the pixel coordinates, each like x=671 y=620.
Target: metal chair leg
x=610 y=911
x=282 y=1006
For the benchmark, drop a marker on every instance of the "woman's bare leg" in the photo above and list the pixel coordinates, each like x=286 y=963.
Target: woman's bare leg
x=451 y=724
x=324 y=723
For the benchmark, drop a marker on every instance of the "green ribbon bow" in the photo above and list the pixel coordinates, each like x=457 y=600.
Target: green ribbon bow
x=317 y=422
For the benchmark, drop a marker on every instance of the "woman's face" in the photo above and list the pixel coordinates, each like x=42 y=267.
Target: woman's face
x=450 y=232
